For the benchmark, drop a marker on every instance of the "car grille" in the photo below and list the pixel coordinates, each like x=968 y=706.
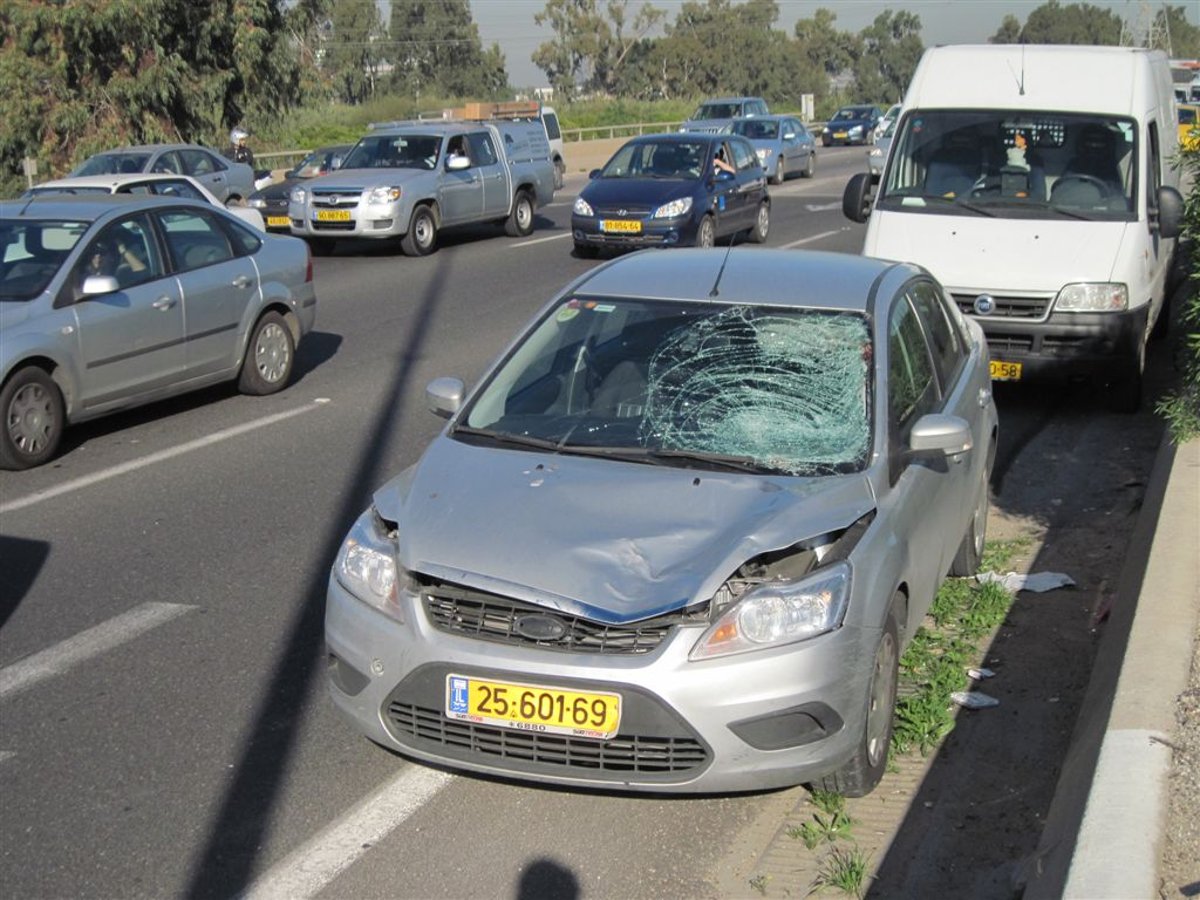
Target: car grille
x=630 y=211
x=1010 y=343
x=1008 y=306
x=653 y=743
x=347 y=198
x=490 y=617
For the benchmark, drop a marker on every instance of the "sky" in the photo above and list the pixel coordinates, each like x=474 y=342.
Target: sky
x=509 y=23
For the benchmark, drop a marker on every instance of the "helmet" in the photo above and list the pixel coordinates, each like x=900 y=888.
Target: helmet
x=237 y=136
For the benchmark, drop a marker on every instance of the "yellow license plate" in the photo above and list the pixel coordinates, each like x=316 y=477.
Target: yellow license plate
x=839 y=134
x=278 y=221
x=532 y=707
x=1005 y=371
x=620 y=226
x=333 y=215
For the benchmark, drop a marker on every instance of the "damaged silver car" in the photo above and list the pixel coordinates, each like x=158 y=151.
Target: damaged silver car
x=679 y=535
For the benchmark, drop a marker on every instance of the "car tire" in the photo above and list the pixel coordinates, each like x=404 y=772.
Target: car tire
x=421 y=237
x=970 y=551
x=270 y=356
x=762 y=224
x=862 y=772
x=586 y=251
x=706 y=233
x=520 y=220
x=810 y=167
x=34 y=418
x=780 y=174
x=825 y=142
x=560 y=174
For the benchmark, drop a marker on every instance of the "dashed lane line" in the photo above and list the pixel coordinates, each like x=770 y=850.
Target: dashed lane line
x=65 y=655
x=814 y=237
x=553 y=237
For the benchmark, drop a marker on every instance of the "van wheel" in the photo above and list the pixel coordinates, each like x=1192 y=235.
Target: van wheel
x=34 y=418
x=560 y=174
x=859 y=776
x=421 y=238
x=270 y=356
x=520 y=220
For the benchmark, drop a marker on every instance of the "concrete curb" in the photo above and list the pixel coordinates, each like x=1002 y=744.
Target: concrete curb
x=1104 y=832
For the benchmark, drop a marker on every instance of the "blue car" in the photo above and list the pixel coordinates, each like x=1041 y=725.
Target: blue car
x=670 y=190
x=851 y=125
x=782 y=143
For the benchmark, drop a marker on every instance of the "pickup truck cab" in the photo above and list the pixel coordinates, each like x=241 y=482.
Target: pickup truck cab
x=409 y=180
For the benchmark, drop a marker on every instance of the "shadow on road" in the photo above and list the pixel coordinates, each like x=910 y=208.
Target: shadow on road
x=21 y=560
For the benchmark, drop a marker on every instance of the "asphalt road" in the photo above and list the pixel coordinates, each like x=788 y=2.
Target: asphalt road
x=164 y=724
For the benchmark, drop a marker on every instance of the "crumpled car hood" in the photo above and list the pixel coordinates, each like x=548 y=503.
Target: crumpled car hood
x=616 y=542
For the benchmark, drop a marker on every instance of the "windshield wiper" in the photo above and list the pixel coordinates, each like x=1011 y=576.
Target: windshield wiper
x=506 y=439
x=716 y=460
x=958 y=204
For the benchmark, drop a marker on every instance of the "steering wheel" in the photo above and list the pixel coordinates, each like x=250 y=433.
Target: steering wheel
x=1100 y=185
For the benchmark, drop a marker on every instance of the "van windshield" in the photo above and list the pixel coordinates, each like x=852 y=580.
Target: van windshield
x=1014 y=164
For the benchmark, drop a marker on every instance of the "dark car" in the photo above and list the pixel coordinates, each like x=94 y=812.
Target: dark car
x=851 y=125
x=782 y=143
x=272 y=201
x=668 y=190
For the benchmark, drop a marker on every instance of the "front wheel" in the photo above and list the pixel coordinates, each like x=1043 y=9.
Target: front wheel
x=421 y=238
x=762 y=223
x=33 y=419
x=859 y=776
x=520 y=220
x=810 y=167
x=270 y=357
x=706 y=234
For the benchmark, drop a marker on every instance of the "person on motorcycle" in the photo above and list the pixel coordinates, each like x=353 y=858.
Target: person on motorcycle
x=238 y=151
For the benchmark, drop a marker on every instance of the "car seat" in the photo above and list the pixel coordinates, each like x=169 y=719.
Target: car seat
x=1095 y=158
x=955 y=166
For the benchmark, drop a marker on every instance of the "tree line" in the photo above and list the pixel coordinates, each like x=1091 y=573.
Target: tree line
x=85 y=75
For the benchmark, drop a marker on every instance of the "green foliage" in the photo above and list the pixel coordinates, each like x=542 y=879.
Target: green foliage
x=435 y=48
x=845 y=870
x=888 y=54
x=999 y=555
x=1185 y=37
x=354 y=50
x=1053 y=23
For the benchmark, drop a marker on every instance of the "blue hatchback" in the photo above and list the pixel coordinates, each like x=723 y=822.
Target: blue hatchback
x=668 y=190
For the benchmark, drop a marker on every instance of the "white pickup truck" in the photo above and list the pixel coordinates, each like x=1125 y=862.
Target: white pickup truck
x=408 y=180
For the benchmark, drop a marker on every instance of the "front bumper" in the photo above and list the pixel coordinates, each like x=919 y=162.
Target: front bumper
x=364 y=220
x=652 y=233
x=747 y=722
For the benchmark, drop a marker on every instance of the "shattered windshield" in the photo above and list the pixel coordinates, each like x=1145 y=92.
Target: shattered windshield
x=394 y=151
x=1015 y=164
x=755 y=388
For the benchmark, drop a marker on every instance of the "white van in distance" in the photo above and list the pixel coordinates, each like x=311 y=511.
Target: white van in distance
x=1035 y=183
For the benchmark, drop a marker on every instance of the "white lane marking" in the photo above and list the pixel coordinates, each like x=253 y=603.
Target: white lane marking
x=823 y=207
x=6 y=755
x=135 y=464
x=307 y=870
x=60 y=658
x=553 y=237
x=815 y=237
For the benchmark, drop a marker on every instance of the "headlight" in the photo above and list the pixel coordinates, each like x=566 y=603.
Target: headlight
x=825 y=130
x=764 y=154
x=857 y=129
x=298 y=195
x=674 y=209
x=778 y=613
x=582 y=207
x=1098 y=297
x=366 y=565
x=383 y=195
x=257 y=203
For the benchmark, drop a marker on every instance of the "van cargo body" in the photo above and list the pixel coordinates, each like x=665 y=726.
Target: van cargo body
x=1035 y=183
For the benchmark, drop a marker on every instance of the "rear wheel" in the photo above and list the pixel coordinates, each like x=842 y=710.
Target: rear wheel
x=270 y=356
x=520 y=220
x=421 y=238
x=560 y=173
x=706 y=233
x=859 y=776
x=762 y=223
x=34 y=418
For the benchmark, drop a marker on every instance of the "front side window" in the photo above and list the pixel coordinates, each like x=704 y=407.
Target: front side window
x=1013 y=164
x=481 y=149
x=197 y=162
x=662 y=159
x=764 y=389
x=125 y=251
x=112 y=164
x=168 y=163
x=744 y=157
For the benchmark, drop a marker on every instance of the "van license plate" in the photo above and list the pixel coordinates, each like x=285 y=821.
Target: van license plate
x=620 y=226
x=1005 y=371
x=532 y=707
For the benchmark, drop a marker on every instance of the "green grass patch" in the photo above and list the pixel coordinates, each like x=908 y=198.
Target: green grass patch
x=844 y=869
x=999 y=555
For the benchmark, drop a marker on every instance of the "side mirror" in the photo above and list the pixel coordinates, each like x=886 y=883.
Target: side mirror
x=290 y=173
x=595 y=173
x=457 y=163
x=791 y=135
x=1169 y=223
x=444 y=396
x=938 y=434
x=335 y=163
x=94 y=285
x=856 y=199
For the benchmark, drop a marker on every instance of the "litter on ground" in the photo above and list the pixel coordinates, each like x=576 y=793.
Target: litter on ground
x=1037 y=582
x=973 y=700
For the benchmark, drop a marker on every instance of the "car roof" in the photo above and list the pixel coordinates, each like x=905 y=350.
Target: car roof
x=153 y=148
x=85 y=207
x=115 y=179
x=800 y=278
x=742 y=99
x=679 y=137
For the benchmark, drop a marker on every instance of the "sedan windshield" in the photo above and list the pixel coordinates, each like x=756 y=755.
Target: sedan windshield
x=657 y=159
x=717 y=111
x=1015 y=164
x=728 y=387
x=31 y=252
x=394 y=151
x=756 y=129
x=112 y=164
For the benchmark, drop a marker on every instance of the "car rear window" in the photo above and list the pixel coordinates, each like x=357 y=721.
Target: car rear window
x=31 y=253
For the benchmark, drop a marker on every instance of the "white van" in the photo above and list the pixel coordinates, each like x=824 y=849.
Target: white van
x=1035 y=183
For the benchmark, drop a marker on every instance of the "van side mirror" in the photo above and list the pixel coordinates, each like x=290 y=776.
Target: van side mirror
x=857 y=197
x=1169 y=222
x=457 y=163
x=444 y=396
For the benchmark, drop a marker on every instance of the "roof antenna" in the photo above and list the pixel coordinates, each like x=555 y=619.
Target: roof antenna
x=1020 y=78
x=721 y=271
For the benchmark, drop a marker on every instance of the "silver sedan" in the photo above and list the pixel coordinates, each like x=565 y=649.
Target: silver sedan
x=679 y=535
x=111 y=301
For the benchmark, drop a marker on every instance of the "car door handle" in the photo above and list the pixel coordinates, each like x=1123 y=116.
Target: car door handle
x=163 y=303
x=241 y=281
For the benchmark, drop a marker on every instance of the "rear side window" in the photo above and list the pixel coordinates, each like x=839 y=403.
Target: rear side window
x=911 y=389
x=482 y=152
x=194 y=239
x=197 y=162
x=944 y=340
x=552 y=130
